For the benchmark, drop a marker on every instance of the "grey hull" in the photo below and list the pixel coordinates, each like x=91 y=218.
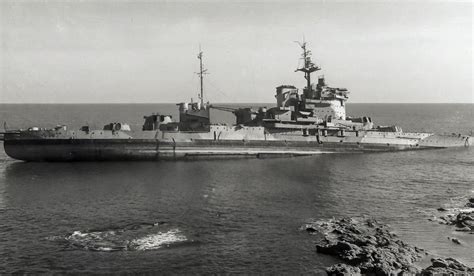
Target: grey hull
x=153 y=150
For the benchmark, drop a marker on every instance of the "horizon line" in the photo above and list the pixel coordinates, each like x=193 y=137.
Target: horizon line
x=96 y=103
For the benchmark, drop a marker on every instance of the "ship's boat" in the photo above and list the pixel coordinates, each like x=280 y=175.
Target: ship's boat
x=312 y=121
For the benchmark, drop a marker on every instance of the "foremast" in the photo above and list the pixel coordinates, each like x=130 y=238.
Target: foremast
x=308 y=66
x=194 y=116
x=201 y=73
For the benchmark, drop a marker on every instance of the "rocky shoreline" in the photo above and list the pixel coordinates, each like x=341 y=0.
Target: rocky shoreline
x=368 y=247
x=461 y=217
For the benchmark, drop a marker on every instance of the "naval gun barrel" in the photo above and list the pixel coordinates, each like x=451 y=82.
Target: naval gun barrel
x=224 y=108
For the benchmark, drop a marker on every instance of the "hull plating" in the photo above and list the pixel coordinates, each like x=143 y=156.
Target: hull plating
x=153 y=150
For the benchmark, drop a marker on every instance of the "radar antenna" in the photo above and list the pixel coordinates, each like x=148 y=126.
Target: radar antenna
x=201 y=74
x=308 y=66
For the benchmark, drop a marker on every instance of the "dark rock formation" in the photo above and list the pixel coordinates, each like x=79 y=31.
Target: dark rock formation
x=461 y=218
x=454 y=240
x=342 y=270
x=448 y=266
x=470 y=203
x=368 y=247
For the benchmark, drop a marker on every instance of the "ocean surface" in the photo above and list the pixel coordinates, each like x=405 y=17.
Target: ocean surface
x=225 y=216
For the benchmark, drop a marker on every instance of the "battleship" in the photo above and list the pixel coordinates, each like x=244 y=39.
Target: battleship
x=313 y=121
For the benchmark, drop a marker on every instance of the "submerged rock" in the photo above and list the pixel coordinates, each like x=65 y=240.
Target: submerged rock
x=368 y=247
x=456 y=241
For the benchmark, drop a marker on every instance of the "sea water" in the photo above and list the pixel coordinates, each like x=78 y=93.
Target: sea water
x=225 y=216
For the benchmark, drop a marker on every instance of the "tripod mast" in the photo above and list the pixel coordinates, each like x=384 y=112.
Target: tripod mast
x=308 y=66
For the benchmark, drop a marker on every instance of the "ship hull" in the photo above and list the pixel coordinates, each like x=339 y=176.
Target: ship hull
x=67 y=150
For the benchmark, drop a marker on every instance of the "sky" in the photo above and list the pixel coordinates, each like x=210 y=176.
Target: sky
x=146 y=52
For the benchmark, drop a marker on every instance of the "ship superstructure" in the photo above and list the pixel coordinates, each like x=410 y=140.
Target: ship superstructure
x=195 y=115
x=311 y=122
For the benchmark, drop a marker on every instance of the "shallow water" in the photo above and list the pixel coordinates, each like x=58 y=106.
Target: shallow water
x=240 y=216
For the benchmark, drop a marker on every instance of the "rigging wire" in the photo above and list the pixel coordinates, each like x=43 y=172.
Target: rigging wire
x=217 y=89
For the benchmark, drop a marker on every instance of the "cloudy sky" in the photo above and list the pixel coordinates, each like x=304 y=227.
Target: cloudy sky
x=123 y=52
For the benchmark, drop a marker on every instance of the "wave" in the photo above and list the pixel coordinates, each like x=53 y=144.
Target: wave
x=155 y=241
x=132 y=237
x=451 y=209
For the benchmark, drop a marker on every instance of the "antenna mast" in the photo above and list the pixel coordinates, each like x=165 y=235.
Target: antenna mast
x=308 y=66
x=201 y=75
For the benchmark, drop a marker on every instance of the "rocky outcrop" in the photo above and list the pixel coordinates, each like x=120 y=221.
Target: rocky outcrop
x=462 y=218
x=448 y=266
x=368 y=247
x=342 y=270
x=470 y=203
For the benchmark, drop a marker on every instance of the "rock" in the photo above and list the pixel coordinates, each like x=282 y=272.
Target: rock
x=464 y=229
x=438 y=263
x=456 y=241
x=310 y=229
x=463 y=219
x=448 y=266
x=441 y=209
x=342 y=269
x=445 y=219
x=471 y=200
x=346 y=251
x=367 y=245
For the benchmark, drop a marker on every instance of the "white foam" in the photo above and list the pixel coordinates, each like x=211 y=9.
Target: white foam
x=78 y=234
x=155 y=241
x=466 y=210
x=104 y=249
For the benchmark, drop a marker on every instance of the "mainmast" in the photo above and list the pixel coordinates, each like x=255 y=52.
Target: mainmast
x=308 y=66
x=201 y=76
